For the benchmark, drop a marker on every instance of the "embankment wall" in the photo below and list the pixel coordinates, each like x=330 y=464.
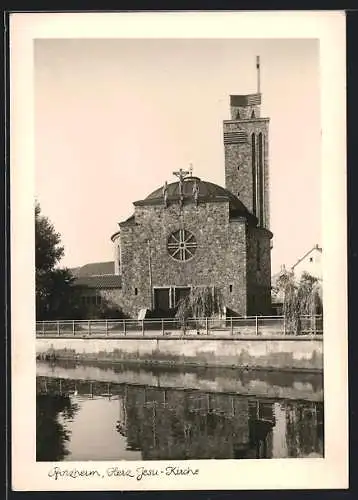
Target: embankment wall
x=283 y=353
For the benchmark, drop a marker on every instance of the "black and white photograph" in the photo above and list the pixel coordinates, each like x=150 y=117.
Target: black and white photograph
x=180 y=286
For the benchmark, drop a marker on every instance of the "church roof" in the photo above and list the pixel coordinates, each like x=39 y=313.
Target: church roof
x=94 y=269
x=208 y=192
x=129 y=222
x=99 y=281
x=96 y=275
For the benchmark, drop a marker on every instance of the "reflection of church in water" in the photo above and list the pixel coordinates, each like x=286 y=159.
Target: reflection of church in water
x=173 y=424
x=169 y=424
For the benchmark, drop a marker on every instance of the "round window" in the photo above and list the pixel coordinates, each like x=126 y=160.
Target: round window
x=182 y=245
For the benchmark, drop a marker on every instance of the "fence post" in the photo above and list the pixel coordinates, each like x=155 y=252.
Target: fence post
x=89 y=327
x=206 y=326
x=106 y=326
x=73 y=327
x=124 y=327
x=256 y=325
x=143 y=327
x=231 y=326
x=314 y=324
x=284 y=324
x=163 y=327
x=43 y=328
x=58 y=328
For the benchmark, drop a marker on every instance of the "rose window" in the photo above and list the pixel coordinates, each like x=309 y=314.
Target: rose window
x=182 y=245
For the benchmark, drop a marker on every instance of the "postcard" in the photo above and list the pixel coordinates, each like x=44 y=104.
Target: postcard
x=178 y=251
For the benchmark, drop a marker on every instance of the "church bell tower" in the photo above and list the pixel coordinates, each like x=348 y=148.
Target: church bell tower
x=246 y=153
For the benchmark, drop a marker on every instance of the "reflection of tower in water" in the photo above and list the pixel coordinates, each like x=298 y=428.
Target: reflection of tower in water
x=279 y=444
x=181 y=424
x=121 y=425
x=262 y=421
x=188 y=424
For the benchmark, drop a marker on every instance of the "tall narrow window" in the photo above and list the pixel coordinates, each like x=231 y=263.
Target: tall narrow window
x=253 y=168
x=261 y=179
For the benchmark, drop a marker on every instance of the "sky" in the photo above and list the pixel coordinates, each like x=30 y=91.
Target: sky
x=115 y=117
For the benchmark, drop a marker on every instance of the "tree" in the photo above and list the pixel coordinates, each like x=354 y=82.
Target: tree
x=201 y=302
x=105 y=310
x=48 y=244
x=52 y=436
x=300 y=298
x=56 y=297
x=53 y=285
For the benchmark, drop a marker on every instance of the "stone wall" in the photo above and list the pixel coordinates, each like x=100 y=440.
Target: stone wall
x=245 y=112
x=220 y=258
x=238 y=163
x=258 y=271
x=113 y=297
x=288 y=353
x=117 y=253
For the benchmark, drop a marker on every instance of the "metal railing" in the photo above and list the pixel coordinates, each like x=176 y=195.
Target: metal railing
x=250 y=325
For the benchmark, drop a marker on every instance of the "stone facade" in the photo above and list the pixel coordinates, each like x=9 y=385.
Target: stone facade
x=240 y=178
x=219 y=259
x=231 y=255
x=258 y=271
x=247 y=155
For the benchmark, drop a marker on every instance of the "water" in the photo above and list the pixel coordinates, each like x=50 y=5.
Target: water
x=98 y=412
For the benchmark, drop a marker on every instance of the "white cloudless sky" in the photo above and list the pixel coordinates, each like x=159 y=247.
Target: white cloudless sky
x=115 y=117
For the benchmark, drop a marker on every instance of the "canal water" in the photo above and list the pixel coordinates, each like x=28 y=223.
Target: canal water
x=126 y=412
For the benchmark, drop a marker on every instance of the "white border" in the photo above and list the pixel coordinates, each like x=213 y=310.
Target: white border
x=329 y=28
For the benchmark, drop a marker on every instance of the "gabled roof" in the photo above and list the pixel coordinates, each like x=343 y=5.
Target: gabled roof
x=96 y=275
x=104 y=281
x=94 y=269
x=315 y=248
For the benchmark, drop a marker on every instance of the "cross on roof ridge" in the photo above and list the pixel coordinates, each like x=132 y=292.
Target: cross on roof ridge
x=182 y=174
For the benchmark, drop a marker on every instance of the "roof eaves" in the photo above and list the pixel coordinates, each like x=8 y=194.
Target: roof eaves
x=101 y=281
x=171 y=199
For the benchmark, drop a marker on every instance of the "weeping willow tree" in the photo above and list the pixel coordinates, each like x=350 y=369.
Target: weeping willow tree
x=201 y=302
x=300 y=298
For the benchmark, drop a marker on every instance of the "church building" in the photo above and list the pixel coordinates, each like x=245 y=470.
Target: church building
x=191 y=232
